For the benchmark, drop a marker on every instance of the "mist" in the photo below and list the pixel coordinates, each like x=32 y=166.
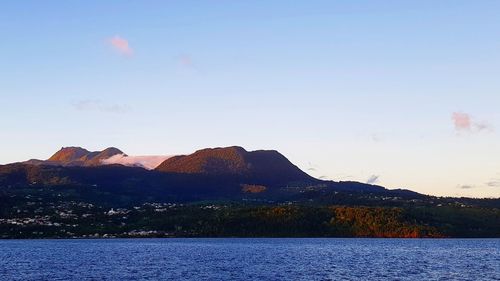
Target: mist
x=148 y=162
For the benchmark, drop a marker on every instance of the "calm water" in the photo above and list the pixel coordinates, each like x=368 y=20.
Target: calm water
x=250 y=259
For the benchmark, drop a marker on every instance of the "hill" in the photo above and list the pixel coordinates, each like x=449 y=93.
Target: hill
x=219 y=192
x=261 y=166
x=77 y=156
x=227 y=174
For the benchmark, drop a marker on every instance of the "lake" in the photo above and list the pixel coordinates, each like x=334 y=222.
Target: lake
x=251 y=259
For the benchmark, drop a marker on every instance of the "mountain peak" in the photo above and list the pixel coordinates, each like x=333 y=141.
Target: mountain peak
x=268 y=165
x=78 y=156
x=70 y=153
x=219 y=160
x=96 y=160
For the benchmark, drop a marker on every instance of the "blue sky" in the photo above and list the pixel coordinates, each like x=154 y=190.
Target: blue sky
x=399 y=93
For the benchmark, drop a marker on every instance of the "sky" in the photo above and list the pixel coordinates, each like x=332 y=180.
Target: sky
x=403 y=94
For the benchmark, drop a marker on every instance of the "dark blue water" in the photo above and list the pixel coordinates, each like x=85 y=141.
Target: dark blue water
x=250 y=259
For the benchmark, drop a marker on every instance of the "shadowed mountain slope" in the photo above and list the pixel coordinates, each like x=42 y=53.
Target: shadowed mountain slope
x=261 y=166
x=213 y=173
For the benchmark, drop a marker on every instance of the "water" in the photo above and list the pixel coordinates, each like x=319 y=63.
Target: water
x=250 y=259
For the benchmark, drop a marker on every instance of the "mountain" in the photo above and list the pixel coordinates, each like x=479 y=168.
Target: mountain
x=77 y=156
x=95 y=160
x=224 y=172
x=261 y=166
x=218 y=192
x=68 y=155
x=221 y=174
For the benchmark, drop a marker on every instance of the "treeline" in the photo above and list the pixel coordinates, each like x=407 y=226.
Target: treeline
x=62 y=219
x=333 y=221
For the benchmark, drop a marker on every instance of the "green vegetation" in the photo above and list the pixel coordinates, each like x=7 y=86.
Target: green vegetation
x=42 y=214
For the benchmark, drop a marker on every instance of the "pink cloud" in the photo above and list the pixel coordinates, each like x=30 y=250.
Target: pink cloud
x=461 y=120
x=185 y=60
x=464 y=122
x=121 y=45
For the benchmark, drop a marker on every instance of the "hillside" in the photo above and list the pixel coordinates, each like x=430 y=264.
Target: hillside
x=261 y=166
x=77 y=156
x=219 y=192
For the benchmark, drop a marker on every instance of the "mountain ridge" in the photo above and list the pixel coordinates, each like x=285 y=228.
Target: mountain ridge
x=238 y=162
x=77 y=156
x=221 y=172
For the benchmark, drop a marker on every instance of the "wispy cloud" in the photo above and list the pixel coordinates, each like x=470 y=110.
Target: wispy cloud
x=121 y=45
x=312 y=167
x=186 y=64
x=465 y=123
x=493 y=183
x=185 y=60
x=148 y=162
x=466 y=186
x=375 y=137
x=483 y=126
x=97 y=105
x=372 y=179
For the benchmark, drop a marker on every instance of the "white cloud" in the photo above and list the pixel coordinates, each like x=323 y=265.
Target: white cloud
x=148 y=162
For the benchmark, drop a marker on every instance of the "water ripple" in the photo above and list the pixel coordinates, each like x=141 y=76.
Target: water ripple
x=251 y=259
